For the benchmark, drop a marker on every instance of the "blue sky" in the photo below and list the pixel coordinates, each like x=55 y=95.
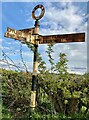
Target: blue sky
x=59 y=18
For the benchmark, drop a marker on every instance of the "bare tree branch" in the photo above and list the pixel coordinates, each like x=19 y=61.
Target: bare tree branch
x=6 y=56
x=12 y=64
x=22 y=58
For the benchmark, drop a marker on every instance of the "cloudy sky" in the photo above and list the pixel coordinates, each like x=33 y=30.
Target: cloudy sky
x=59 y=18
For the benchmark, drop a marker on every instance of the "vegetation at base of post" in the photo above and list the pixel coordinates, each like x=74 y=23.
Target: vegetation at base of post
x=60 y=95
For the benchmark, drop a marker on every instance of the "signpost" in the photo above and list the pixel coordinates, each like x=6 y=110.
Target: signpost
x=31 y=35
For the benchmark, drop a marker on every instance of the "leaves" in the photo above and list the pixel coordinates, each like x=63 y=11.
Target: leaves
x=56 y=87
x=49 y=53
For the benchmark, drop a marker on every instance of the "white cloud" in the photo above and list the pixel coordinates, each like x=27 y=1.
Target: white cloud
x=61 y=18
x=70 y=19
x=27 y=54
x=65 y=20
x=0 y=40
x=18 y=65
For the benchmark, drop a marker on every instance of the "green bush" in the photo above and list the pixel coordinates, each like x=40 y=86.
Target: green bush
x=56 y=93
x=5 y=113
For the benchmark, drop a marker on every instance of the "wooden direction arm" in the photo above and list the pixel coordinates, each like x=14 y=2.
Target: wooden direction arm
x=24 y=36
x=75 y=37
x=28 y=30
x=27 y=35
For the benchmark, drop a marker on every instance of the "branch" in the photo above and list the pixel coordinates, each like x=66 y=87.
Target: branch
x=5 y=55
x=11 y=64
x=22 y=58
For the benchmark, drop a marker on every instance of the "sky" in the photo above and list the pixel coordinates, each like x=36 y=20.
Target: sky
x=59 y=18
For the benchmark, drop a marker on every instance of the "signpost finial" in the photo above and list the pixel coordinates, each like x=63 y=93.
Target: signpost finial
x=42 y=12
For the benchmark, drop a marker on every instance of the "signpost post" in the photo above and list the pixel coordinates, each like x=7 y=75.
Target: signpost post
x=31 y=35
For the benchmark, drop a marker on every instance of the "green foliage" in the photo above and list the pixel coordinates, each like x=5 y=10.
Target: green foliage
x=60 y=95
x=61 y=66
x=49 y=53
x=31 y=46
x=5 y=113
x=37 y=116
x=16 y=91
x=62 y=87
x=42 y=64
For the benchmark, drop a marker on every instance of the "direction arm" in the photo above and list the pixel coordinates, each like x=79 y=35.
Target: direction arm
x=76 y=37
x=28 y=30
x=27 y=35
x=15 y=34
x=21 y=35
